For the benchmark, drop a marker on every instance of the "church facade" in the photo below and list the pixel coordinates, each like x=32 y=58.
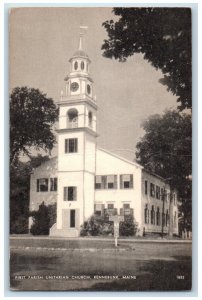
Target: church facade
x=84 y=179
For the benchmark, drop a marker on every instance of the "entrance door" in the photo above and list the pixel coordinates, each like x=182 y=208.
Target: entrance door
x=72 y=218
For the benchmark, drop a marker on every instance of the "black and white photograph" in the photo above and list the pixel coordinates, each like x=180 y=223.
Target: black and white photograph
x=100 y=121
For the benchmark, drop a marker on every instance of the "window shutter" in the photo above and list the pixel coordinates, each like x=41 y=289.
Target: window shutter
x=115 y=181
x=74 y=193
x=121 y=181
x=131 y=211
x=76 y=145
x=131 y=180
x=37 y=184
x=66 y=146
x=115 y=211
x=65 y=193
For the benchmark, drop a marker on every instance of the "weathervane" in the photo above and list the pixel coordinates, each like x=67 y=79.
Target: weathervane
x=82 y=30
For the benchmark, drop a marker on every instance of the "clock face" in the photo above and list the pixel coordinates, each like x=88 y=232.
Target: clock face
x=74 y=86
x=88 y=88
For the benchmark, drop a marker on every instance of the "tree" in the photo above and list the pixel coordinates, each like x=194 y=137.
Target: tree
x=32 y=116
x=41 y=222
x=163 y=35
x=166 y=150
x=19 y=192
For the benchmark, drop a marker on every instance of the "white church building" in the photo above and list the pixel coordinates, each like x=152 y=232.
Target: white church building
x=84 y=179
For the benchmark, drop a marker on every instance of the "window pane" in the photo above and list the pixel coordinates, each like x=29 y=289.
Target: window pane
x=70 y=193
x=43 y=185
x=71 y=145
x=126 y=184
x=110 y=185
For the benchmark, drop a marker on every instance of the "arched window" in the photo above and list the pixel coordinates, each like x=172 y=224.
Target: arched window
x=82 y=65
x=90 y=119
x=72 y=118
x=75 y=65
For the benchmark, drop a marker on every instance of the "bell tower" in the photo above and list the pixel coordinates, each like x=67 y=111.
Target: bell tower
x=76 y=147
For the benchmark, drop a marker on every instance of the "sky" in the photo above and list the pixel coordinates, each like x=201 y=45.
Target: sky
x=41 y=42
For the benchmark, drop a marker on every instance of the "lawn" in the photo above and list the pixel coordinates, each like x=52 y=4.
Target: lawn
x=152 y=266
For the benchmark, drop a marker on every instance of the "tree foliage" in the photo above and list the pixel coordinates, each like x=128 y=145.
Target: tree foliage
x=32 y=116
x=166 y=150
x=163 y=35
x=20 y=191
x=43 y=219
x=100 y=225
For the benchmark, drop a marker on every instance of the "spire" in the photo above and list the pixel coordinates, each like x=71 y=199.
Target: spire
x=82 y=28
x=80 y=41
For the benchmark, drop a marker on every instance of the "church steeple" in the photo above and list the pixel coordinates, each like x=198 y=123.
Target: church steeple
x=78 y=81
x=78 y=101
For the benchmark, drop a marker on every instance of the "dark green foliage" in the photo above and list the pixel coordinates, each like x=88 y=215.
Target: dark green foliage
x=19 y=192
x=97 y=225
x=163 y=35
x=43 y=219
x=128 y=227
x=32 y=116
x=166 y=149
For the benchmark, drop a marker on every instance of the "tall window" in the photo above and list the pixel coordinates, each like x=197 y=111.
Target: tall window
x=90 y=119
x=126 y=181
x=71 y=145
x=153 y=215
x=70 y=193
x=75 y=65
x=152 y=190
x=53 y=184
x=157 y=192
x=146 y=214
x=82 y=65
x=111 y=181
x=158 y=216
x=163 y=219
x=98 y=182
x=145 y=187
x=42 y=185
x=162 y=194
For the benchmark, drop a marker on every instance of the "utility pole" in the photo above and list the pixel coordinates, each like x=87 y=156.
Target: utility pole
x=170 y=229
x=163 y=217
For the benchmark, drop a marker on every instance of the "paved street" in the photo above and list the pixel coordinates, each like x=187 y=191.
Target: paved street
x=95 y=264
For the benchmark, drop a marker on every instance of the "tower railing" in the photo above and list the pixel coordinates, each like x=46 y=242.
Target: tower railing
x=72 y=124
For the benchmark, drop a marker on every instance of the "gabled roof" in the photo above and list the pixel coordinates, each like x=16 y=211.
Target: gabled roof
x=121 y=158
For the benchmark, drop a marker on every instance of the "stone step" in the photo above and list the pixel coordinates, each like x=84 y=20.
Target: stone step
x=64 y=232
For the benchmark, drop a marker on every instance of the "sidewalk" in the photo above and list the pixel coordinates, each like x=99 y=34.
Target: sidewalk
x=109 y=239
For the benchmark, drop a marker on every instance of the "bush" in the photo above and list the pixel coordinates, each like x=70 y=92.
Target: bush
x=128 y=227
x=19 y=225
x=97 y=225
x=43 y=219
